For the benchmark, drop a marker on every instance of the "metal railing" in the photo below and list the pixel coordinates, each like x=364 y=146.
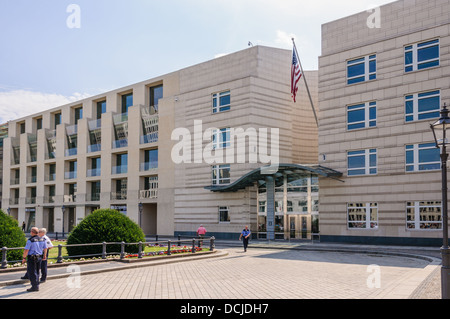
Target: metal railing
x=122 y=254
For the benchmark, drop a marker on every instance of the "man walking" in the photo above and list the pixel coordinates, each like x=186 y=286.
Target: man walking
x=245 y=234
x=201 y=232
x=35 y=251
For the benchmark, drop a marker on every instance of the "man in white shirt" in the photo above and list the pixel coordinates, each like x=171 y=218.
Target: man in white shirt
x=43 y=235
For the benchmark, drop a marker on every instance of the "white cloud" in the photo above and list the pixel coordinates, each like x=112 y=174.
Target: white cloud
x=19 y=103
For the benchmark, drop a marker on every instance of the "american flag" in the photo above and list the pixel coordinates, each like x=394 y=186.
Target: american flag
x=296 y=74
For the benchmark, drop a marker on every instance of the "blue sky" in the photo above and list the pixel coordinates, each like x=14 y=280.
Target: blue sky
x=44 y=63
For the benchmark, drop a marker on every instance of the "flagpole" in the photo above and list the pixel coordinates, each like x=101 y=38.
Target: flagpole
x=306 y=84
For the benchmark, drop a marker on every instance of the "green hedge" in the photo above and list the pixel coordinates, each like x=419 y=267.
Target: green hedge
x=104 y=225
x=11 y=236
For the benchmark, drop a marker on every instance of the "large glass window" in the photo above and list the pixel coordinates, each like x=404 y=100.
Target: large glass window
x=423 y=215
x=221 y=138
x=422 y=106
x=101 y=108
x=150 y=159
x=363 y=162
x=156 y=93
x=224 y=214
x=422 y=157
x=362 y=215
x=423 y=55
x=362 y=115
x=221 y=174
x=78 y=114
x=221 y=102
x=362 y=69
x=127 y=101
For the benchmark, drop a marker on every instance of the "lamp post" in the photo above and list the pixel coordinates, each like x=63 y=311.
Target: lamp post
x=439 y=129
x=140 y=214
x=63 y=209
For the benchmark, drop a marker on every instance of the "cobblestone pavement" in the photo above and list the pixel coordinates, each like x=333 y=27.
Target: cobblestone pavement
x=256 y=274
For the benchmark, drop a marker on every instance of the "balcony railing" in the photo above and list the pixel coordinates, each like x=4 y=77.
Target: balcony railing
x=95 y=124
x=120 y=143
x=94 y=148
x=15 y=181
x=69 y=198
x=50 y=177
x=93 y=197
x=14 y=201
x=120 y=169
x=121 y=195
x=49 y=199
x=149 y=138
x=71 y=151
x=72 y=129
x=146 y=166
x=70 y=175
x=148 y=193
x=94 y=172
x=30 y=200
x=31 y=179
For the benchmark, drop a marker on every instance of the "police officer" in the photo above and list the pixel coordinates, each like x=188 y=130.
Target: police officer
x=43 y=235
x=35 y=251
x=245 y=234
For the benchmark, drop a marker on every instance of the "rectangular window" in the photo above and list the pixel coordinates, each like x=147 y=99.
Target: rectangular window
x=101 y=108
x=221 y=174
x=422 y=106
x=156 y=93
x=221 y=138
x=127 y=101
x=22 y=128
x=363 y=162
x=78 y=114
x=423 y=55
x=422 y=157
x=363 y=115
x=423 y=215
x=362 y=215
x=38 y=123
x=362 y=69
x=221 y=102
x=57 y=119
x=224 y=214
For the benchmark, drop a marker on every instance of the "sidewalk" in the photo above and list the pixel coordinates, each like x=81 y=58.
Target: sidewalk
x=428 y=288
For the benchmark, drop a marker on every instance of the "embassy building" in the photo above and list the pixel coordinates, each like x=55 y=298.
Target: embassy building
x=223 y=144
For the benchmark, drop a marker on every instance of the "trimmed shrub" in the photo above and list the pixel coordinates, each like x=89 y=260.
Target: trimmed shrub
x=104 y=225
x=11 y=236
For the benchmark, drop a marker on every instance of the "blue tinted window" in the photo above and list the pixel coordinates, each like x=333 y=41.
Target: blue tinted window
x=429 y=155
x=428 y=53
x=356 y=116
x=355 y=70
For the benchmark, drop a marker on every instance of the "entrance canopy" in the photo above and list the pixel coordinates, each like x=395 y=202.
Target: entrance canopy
x=291 y=171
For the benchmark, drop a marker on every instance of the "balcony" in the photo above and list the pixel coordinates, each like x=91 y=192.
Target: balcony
x=147 y=166
x=150 y=124
x=93 y=172
x=71 y=151
x=69 y=198
x=122 y=169
x=148 y=193
x=14 y=201
x=93 y=197
x=49 y=199
x=120 y=143
x=50 y=177
x=121 y=195
x=70 y=175
x=30 y=200
x=94 y=148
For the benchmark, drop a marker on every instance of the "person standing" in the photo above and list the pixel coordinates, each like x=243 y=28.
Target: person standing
x=245 y=235
x=35 y=251
x=43 y=235
x=201 y=232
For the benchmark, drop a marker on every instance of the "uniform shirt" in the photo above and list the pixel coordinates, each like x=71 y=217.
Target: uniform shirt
x=35 y=246
x=48 y=241
x=245 y=232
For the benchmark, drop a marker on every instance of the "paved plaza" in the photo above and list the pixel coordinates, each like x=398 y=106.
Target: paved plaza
x=256 y=274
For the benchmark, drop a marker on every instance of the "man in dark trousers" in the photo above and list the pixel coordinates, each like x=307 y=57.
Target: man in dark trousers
x=35 y=251
x=246 y=235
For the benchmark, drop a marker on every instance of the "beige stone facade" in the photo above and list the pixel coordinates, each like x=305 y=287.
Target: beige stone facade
x=395 y=195
x=48 y=166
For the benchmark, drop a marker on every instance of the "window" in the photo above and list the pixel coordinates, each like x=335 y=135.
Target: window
x=127 y=101
x=221 y=138
x=78 y=114
x=121 y=164
x=221 y=102
x=362 y=115
x=422 y=157
x=224 y=214
x=423 y=215
x=362 y=69
x=362 y=162
x=422 y=106
x=362 y=215
x=57 y=119
x=150 y=159
x=423 y=55
x=38 y=123
x=221 y=174
x=101 y=108
x=22 y=128
x=156 y=93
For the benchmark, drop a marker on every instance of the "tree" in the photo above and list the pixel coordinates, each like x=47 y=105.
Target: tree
x=11 y=236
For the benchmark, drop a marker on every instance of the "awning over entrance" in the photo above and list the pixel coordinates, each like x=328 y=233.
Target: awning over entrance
x=291 y=171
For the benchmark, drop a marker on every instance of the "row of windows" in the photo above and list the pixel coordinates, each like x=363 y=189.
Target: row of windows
x=418 y=56
x=418 y=157
x=420 y=215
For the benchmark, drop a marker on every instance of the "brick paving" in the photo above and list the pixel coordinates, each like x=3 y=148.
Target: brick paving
x=257 y=274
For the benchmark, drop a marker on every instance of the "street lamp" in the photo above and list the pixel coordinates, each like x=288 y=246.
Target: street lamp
x=140 y=214
x=439 y=129
x=63 y=209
